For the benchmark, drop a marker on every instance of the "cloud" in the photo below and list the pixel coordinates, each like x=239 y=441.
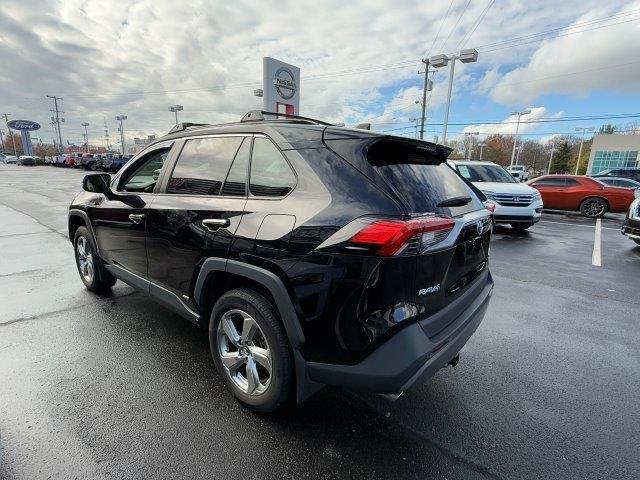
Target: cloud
x=508 y=125
x=604 y=58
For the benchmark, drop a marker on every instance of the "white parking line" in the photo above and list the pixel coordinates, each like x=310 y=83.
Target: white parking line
x=596 y=257
x=576 y=224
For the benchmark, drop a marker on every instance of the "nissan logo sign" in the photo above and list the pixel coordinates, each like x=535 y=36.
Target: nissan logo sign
x=23 y=125
x=285 y=83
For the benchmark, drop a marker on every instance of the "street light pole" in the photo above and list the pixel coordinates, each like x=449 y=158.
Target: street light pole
x=481 y=145
x=465 y=56
x=583 y=130
x=175 y=109
x=515 y=138
x=468 y=135
x=13 y=140
x=121 y=118
x=86 y=136
x=553 y=149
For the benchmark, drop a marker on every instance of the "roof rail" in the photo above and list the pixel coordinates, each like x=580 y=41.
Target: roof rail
x=179 y=127
x=259 y=115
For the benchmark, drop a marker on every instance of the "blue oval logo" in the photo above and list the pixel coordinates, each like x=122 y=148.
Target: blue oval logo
x=23 y=125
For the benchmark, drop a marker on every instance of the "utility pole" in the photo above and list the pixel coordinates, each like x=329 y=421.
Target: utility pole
x=121 y=118
x=481 y=145
x=428 y=85
x=57 y=118
x=553 y=149
x=13 y=140
x=583 y=130
x=106 y=134
x=515 y=138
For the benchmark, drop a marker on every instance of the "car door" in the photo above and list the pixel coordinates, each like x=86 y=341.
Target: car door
x=197 y=210
x=119 y=223
x=551 y=190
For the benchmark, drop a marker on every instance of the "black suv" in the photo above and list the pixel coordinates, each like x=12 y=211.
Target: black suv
x=313 y=254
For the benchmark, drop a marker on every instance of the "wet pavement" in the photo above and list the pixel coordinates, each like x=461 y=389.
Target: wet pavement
x=119 y=387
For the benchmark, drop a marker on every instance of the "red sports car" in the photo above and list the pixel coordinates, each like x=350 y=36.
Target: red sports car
x=585 y=194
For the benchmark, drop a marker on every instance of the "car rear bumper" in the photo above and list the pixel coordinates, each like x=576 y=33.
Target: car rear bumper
x=411 y=356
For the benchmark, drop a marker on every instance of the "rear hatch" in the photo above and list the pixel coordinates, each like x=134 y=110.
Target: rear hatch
x=415 y=173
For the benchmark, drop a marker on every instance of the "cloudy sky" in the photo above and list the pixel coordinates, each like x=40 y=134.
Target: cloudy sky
x=359 y=61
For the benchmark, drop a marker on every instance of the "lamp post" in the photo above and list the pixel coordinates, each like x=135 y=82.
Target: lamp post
x=553 y=149
x=519 y=148
x=481 y=145
x=583 y=130
x=86 y=136
x=469 y=135
x=469 y=55
x=121 y=118
x=175 y=109
x=515 y=138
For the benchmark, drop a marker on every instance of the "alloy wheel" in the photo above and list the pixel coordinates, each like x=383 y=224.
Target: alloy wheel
x=85 y=259
x=244 y=352
x=594 y=208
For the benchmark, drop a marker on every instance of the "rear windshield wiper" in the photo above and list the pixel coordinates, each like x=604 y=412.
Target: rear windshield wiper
x=454 y=202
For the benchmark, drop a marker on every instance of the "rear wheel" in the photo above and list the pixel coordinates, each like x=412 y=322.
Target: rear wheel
x=251 y=351
x=521 y=226
x=90 y=267
x=593 y=207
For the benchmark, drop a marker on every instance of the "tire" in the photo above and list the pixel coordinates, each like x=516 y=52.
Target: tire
x=594 y=207
x=521 y=226
x=90 y=267
x=267 y=345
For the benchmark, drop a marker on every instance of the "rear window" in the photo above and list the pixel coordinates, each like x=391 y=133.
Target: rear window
x=423 y=186
x=485 y=173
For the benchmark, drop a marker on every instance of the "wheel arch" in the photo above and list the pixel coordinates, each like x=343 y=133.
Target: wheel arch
x=589 y=197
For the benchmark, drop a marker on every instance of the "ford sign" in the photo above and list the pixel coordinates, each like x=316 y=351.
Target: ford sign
x=23 y=125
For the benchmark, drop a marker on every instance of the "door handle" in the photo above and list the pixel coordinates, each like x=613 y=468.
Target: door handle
x=212 y=224
x=136 y=217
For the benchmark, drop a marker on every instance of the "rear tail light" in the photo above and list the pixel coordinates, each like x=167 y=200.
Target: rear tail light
x=389 y=237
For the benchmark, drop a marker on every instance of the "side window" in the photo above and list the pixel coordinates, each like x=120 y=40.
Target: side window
x=271 y=175
x=143 y=178
x=570 y=182
x=202 y=165
x=236 y=182
x=550 y=182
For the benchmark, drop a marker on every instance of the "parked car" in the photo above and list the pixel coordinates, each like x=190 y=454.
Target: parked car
x=59 y=160
x=82 y=159
x=627 y=172
x=584 y=194
x=305 y=249
x=69 y=160
x=26 y=161
x=119 y=162
x=9 y=159
x=93 y=163
x=519 y=172
x=631 y=227
x=619 y=182
x=517 y=204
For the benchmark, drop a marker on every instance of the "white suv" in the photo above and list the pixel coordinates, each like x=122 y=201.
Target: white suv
x=519 y=172
x=517 y=204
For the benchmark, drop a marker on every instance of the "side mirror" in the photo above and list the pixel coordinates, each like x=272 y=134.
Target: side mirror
x=97 y=183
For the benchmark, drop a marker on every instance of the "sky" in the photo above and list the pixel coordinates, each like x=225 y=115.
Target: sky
x=359 y=61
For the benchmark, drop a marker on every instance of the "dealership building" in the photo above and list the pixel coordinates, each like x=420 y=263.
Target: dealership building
x=613 y=151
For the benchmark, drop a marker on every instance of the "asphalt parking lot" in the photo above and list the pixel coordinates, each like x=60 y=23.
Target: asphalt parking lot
x=119 y=387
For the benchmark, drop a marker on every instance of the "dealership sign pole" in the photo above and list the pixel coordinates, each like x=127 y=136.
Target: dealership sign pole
x=281 y=87
x=24 y=126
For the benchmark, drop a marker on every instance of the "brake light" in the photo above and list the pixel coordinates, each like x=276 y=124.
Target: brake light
x=389 y=236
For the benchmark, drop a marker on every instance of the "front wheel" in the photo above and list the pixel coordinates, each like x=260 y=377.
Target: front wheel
x=90 y=267
x=521 y=226
x=593 y=207
x=251 y=351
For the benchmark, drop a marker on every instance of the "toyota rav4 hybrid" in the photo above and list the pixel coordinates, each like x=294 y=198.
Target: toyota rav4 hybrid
x=516 y=204
x=314 y=255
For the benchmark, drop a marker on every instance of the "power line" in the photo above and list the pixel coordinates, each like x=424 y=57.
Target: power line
x=439 y=29
x=467 y=37
x=444 y=44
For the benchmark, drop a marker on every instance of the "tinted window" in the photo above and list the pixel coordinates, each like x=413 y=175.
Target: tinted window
x=550 y=182
x=485 y=173
x=203 y=165
x=423 y=186
x=236 y=181
x=570 y=182
x=271 y=175
x=143 y=178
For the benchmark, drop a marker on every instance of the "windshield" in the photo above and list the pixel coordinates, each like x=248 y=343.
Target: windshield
x=485 y=173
